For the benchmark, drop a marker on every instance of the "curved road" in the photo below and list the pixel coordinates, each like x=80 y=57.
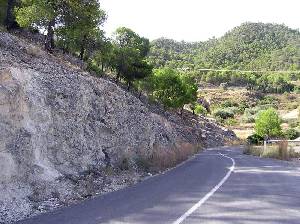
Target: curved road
x=211 y=188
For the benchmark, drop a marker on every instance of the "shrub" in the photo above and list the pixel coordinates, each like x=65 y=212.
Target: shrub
x=268 y=123
x=143 y=163
x=243 y=106
x=248 y=118
x=199 y=109
x=93 y=68
x=229 y=103
x=250 y=114
x=268 y=100
x=230 y=122
x=255 y=139
x=224 y=85
x=297 y=89
x=234 y=110
x=291 y=134
x=224 y=113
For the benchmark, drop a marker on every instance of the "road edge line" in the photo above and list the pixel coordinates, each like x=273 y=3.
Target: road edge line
x=209 y=194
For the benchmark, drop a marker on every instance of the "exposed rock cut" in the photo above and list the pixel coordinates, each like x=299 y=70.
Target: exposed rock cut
x=60 y=129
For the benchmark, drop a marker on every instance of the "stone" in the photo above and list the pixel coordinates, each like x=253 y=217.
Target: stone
x=60 y=128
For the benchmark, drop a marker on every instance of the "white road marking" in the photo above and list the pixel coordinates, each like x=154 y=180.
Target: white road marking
x=209 y=194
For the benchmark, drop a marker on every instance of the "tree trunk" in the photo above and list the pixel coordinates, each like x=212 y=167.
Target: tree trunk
x=129 y=85
x=49 y=42
x=102 y=66
x=10 y=20
x=81 y=52
x=118 y=76
x=140 y=94
x=82 y=49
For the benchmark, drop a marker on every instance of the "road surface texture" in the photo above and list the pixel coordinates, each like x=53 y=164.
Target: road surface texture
x=217 y=186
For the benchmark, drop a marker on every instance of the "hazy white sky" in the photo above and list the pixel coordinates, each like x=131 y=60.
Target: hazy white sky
x=196 y=20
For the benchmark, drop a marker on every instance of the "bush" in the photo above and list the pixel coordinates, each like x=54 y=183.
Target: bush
x=243 y=106
x=230 y=122
x=291 y=134
x=229 y=103
x=255 y=139
x=250 y=114
x=248 y=118
x=93 y=68
x=297 y=89
x=268 y=123
x=268 y=100
x=224 y=85
x=224 y=113
x=199 y=109
x=234 y=110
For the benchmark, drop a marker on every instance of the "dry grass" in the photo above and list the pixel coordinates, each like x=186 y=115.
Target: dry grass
x=253 y=150
x=281 y=151
x=163 y=158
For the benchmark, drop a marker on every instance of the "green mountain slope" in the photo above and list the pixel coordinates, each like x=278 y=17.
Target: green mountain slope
x=249 y=46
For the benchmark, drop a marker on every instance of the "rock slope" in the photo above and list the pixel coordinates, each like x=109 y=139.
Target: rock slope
x=60 y=128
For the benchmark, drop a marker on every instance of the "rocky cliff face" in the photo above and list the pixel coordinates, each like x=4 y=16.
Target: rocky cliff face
x=60 y=128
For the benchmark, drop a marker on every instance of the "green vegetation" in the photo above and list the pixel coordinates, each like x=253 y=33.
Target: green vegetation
x=74 y=23
x=251 y=46
x=167 y=71
x=255 y=139
x=3 y=5
x=291 y=134
x=268 y=123
x=224 y=113
x=200 y=110
x=130 y=51
x=173 y=89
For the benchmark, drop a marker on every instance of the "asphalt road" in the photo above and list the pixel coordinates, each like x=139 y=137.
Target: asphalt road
x=211 y=188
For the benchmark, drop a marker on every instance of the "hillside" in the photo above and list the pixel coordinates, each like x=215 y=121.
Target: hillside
x=255 y=46
x=64 y=133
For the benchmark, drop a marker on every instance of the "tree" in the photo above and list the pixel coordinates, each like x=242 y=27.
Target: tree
x=10 y=20
x=130 y=51
x=104 y=54
x=81 y=27
x=172 y=89
x=268 y=123
x=168 y=88
x=75 y=23
x=145 y=85
x=43 y=14
x=191 y=88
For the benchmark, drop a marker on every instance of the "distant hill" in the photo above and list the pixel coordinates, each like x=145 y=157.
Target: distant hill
x=248 y=46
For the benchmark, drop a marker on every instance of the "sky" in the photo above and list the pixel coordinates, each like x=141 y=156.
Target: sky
x=195 y=20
